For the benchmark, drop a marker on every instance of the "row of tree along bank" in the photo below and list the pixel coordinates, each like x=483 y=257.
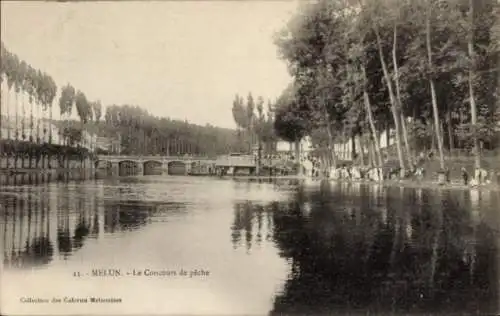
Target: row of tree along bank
x=29 y=131
x=427 y=69
x=18 y=155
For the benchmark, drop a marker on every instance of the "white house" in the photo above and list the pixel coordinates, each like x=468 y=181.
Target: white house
x=284 y=146
x=289 y=147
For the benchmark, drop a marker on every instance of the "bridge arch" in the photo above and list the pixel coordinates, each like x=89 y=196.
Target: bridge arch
x=127 y=167
x=152 y=167
x=177 y=167
x=152 y=162
x=128 y=162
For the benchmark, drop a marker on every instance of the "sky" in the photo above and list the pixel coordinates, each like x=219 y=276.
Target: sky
x=184 y=60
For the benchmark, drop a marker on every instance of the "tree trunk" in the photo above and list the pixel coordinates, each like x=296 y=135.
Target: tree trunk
x=451 y=144
x=411 y=159
x=394 y=109
x=32 y=138
x=433 y=137
x=387 y=137
x=366 y=99
x=8 y=112
x=17 y=131
x=297 y=156
x=441 y=127
x=470 y=47
x=344 y=145
x=416 y=147
x=398 y=97
x=331 y=152
x=353 y=145
x=259 y=155
x=23 y=125
x=371 y=153
x=1 y=102
x=433 y=92
x=331 y=147
x=38 y=140
x=361 y=149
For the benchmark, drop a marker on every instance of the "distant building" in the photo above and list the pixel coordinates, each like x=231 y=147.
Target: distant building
x=9 y=130
x=51 y=131
x=108 y=144
x=284 y=146
x=289 y=147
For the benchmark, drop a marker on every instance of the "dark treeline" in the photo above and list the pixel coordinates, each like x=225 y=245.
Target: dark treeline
x=427 y=69
x=139 y=132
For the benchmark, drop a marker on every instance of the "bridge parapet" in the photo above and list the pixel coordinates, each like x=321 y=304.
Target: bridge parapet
x=236 y=161
x=153 y=158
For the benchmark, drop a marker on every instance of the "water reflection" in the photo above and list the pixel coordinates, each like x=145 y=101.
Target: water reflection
x=326 y=248
x=368 y=248
x=40 y=222
x=26 y=233
x=47 y=176
x=253 y=222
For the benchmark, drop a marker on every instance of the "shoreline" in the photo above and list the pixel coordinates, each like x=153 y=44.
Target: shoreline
x=415 y=184
x=39 y=170
x=407 y=183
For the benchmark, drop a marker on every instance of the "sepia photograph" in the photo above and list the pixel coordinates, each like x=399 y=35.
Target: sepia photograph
x=250 y=157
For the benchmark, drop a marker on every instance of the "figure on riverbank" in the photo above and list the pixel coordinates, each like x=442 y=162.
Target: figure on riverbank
x=375 y=174
x=465 y=176
x=308 y=167
x=394 y=173
x=356 y=173
x=480 y=175
x=420 y=173
x=332 y=173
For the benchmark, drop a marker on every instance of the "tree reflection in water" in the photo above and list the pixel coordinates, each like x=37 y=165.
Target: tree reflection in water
x=400 y=251
x=27 y=217
x=64 y=243
x=83 y=225
x=39 y=250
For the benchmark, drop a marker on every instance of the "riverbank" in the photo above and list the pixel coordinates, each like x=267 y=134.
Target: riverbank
x=408 y=183
x=48 y=174
x=40 y=170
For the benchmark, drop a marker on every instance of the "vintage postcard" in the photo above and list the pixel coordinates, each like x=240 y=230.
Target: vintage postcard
x=256 y=157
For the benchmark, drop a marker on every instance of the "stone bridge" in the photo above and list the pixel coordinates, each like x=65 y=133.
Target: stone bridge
x=141 y=164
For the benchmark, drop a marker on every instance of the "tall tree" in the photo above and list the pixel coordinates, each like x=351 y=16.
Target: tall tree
x=250 y=120
x=239 y=115
x=3 y=56
x=97 y=106
x=18 y=81
x=471 y=75
x=432 y=84
x=66 y=101
x=23 y=77
x=393 y=103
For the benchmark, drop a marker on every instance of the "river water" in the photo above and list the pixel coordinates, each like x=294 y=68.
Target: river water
x=194 y=245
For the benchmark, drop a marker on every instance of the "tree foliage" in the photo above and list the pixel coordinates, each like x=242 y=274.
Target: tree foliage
x=358 y=64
